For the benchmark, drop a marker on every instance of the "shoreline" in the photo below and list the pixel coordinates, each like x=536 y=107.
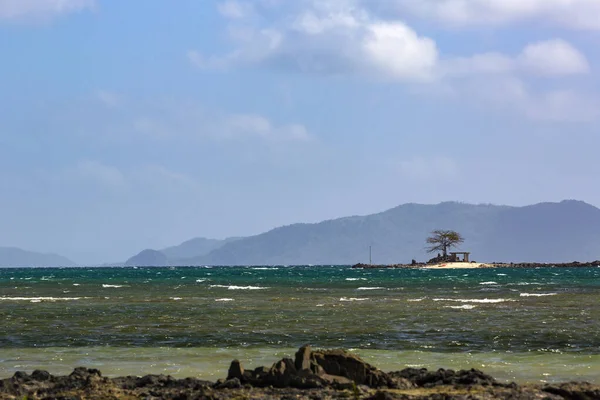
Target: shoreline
x=312 y=374
x=474 y=265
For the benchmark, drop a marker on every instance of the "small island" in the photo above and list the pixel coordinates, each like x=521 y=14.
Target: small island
x=442 y=240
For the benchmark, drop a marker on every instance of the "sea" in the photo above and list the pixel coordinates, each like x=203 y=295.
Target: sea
x=523 y=325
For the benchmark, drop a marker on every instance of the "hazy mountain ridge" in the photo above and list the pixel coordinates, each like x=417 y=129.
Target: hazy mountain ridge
x=545 y=232
x=177 y=255
x=15 y=257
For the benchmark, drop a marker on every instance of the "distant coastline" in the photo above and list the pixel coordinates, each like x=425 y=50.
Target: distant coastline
x=449 y=265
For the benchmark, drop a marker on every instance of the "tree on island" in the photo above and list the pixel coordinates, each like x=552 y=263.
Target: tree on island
x=441 y=240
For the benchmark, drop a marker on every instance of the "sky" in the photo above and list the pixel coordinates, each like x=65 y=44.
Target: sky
x=127 y=125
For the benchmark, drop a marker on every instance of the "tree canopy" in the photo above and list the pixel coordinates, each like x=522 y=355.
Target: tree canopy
x=442 y=240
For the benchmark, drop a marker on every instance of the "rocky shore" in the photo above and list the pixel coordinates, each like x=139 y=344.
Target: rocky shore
x=313 y=374
x=574 y=264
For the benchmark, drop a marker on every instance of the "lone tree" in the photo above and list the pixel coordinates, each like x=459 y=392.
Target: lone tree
x=441 y=240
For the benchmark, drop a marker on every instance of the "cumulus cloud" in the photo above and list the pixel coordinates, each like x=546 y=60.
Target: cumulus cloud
x=553 y=57
x=331 y=38
x=549 y=58
x=360 y=38
x=40 y=9
x=576 y=14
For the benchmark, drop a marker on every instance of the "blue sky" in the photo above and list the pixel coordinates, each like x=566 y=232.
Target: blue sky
x=129 y=125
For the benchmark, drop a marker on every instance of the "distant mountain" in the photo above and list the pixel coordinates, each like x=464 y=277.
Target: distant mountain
x=177 y=255
x=148 y=258
x=194 y=248
x=546 y=232
x=14 y=257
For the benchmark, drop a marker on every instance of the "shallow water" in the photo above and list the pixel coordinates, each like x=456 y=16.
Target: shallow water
x=518 y=324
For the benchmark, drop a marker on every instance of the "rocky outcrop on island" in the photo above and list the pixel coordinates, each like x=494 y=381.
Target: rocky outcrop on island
x=312 y=374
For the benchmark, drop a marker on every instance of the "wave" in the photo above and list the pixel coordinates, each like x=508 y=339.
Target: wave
x=352 y=299
x=492 y=301
x=224 y=299
x=416 y=300
x=356 y=279
x=200 y=280
x=175 y=298
x=40 y=299
x=233 y=287
x=463 y=307
x=370 y=288
x=488 y=283
x=104 y=285
x=537 y=294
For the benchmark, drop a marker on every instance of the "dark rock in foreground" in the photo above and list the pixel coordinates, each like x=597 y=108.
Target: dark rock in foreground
x=320 y=374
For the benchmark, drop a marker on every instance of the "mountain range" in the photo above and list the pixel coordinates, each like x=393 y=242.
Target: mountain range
x=15 y=257
x=545 y=232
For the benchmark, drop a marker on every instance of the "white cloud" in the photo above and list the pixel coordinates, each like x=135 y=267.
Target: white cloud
x=553 y=57
x=234 y=9
x=513 y=94
x=549 y=58
x=347 y=37
x=398 y=51
x=576 y=14
x=331 y=38
x=40 y=9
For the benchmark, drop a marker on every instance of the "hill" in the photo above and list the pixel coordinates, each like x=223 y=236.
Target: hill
x=147 y=258
x=546 y=232
x=15 y=257
x=194 y=248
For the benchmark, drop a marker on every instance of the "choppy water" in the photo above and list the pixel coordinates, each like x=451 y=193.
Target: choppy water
x=518 y=324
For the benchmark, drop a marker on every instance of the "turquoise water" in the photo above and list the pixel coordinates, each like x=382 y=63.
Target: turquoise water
x=518 y=324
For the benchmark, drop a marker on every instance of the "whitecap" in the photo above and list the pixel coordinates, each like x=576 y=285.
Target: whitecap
x=416 y=300
x=104 y=285
x=501 y=274
x=488 y=283
x=76 y=284
x=475 y=300
x=370 y=288
x=39 y=299
x=537 y=294
x=175 y=298
x=200 y=280
x=233 y=287
x=225 y=299
x=352 y=299
x=463 y=307
x=356 y=279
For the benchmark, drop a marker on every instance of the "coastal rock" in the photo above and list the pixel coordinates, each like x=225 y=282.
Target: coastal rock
x=339 y=377
x=424 y=378
x=235 y=370
x=303 y=358
x=574 y=390
x=350 y=366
